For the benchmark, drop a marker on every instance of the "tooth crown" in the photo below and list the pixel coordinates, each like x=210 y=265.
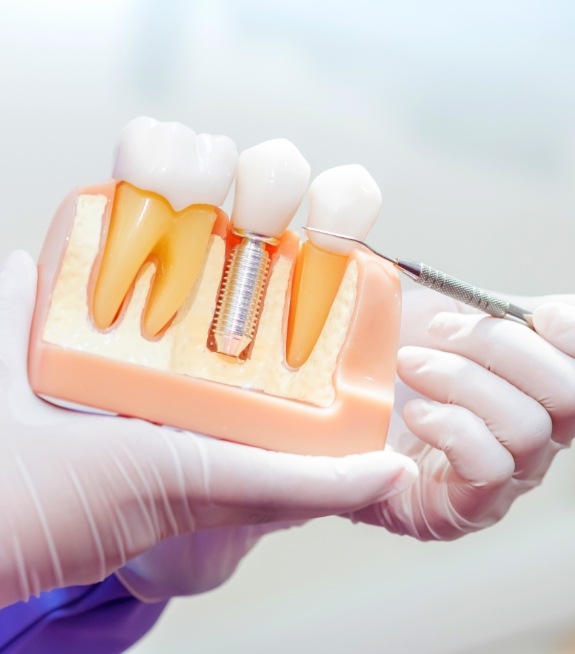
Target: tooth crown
x=345 y=200
x=171 y=160
x=270 y=183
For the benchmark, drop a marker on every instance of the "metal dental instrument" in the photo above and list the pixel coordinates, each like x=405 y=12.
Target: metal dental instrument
x=443 y=283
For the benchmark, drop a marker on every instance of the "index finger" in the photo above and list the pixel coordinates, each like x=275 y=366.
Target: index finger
x=513 y=352
x=555 y=321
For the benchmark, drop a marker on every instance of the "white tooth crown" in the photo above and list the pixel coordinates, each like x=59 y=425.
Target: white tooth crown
x=270 y=183
x=345 y=200
x=171 y=160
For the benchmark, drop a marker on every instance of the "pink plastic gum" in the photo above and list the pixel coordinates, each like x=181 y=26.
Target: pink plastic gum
x=357 y=421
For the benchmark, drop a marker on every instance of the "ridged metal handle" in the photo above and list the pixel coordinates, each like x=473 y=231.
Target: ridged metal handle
x=463 y=292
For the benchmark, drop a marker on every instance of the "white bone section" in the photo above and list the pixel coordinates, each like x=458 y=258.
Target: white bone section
x=182 y=349
x=270 y=182
x=172 y=160
x=345 y=200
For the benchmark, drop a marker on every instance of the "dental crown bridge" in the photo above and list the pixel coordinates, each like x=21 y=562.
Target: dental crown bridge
x=168 y=310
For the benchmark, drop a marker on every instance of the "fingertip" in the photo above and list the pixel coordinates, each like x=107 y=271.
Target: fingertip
x=410 y=358
x=18 y=259
x=396 y=474
x=408 y=474
x=443 y=323
x=555 y=322
x=419 y=410
x=17 y=272
x=472 y=450
x=447 y=324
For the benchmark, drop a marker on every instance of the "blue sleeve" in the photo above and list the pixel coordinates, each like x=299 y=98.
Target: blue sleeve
x=100 y=619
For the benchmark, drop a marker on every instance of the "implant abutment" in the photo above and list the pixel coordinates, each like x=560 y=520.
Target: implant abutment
x=241 y=293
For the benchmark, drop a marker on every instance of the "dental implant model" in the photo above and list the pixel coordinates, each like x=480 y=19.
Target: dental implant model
x=149 y=296
x=270 y=182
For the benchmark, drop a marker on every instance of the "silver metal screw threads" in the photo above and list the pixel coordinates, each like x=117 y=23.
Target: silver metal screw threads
x=241 y=294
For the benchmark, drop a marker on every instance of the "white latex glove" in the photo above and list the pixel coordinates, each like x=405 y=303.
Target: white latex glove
x=82 y=494
x=482 y=407
x=193 y=563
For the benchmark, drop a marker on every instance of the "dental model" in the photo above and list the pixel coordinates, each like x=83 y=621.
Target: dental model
x=153 y=304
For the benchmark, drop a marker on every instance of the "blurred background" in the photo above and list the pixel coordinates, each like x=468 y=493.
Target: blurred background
x=464 y=113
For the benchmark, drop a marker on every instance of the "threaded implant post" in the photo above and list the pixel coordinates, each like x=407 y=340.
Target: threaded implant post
x=240 y=299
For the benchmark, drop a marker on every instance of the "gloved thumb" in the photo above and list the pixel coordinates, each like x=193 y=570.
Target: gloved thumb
x=233 y=484
x=555 y=322
x=18 y=279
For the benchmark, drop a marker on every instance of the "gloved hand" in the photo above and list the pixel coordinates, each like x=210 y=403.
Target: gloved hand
x=481 y=443
x=194 y=562
x=82 y=494
x=482 y=407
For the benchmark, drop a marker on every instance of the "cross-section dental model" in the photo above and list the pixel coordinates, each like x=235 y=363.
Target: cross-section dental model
x=139 y=279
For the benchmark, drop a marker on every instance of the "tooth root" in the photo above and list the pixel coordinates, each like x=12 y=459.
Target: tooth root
x=142 y=226
x=137 y=222
x=180 y=256
x=317 y=279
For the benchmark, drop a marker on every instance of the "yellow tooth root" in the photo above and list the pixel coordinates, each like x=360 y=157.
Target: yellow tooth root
x=180 y=257
x=137 y=222
x=317 y=278
x=143 y=226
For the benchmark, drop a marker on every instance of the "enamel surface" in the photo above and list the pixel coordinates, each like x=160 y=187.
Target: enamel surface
x=270 y=182
x=173 y=161
x=345 y=200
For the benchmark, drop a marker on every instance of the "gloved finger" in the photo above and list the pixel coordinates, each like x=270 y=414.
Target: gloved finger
x=516 y=420
x=419 y=307
x=189 y=564
x=17 y=296
x=534 y=301
x=254 y=485
x=474 y=454
x=513 y=352
x=192 y=563
x=555 y=321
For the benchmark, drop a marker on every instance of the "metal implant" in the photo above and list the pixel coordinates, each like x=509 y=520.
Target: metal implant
x=241 y=294
x=270 y=182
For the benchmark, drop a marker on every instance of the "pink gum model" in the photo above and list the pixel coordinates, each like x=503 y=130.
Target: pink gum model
x=357 y=420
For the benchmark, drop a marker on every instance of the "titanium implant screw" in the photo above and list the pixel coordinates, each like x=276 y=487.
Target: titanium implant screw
x=240 y=299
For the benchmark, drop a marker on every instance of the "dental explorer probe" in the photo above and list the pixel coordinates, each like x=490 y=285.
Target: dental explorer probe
x=443 y=283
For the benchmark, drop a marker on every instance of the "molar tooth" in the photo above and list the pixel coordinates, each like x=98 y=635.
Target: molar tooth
x=173 y=161
x=345 y=200
x=170 y=181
